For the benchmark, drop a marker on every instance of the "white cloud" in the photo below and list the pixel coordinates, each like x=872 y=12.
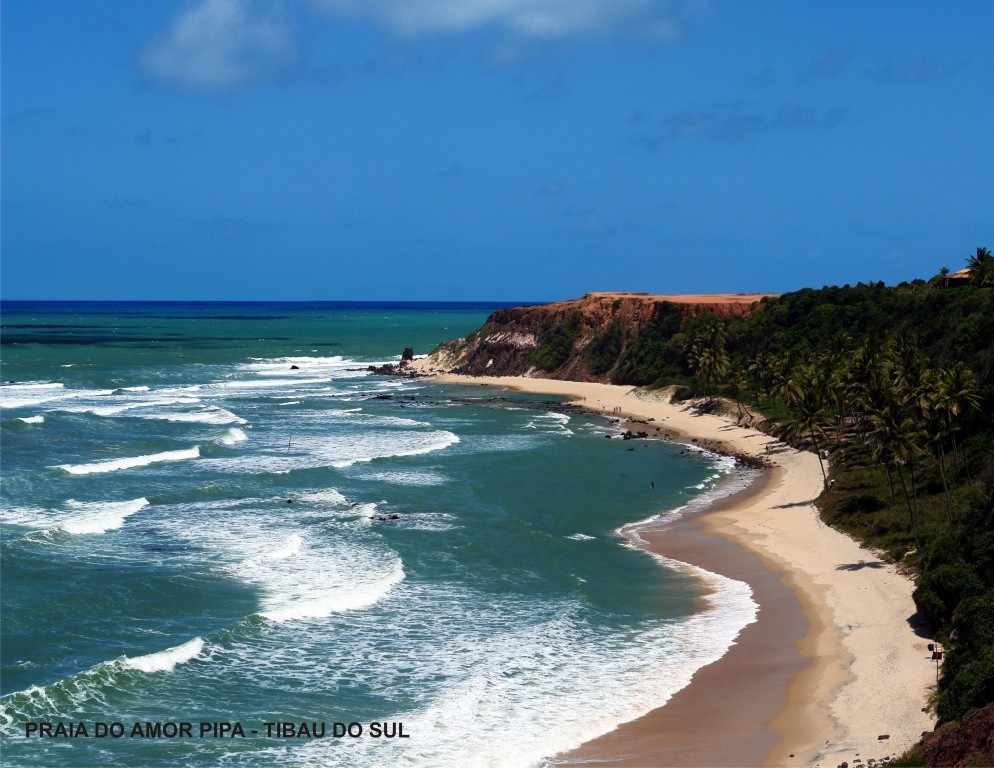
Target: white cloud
x=217 y=44
x=539 y=19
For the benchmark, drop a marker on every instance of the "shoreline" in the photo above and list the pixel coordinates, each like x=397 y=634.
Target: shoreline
x=832 y=662
x=682 y=731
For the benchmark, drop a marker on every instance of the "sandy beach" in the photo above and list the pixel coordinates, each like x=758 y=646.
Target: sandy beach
x=832 y=663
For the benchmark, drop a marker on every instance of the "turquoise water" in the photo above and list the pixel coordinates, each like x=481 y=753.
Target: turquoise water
x=213 y=513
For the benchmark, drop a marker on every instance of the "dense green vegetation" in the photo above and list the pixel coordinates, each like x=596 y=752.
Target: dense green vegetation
x=555 y=342
x=894 y=386
x=657 y=351
x=602 y=353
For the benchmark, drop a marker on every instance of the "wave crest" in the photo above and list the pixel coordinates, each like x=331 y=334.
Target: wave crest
x=113 y=465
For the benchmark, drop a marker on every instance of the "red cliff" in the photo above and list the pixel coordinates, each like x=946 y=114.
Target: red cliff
x=557 y=340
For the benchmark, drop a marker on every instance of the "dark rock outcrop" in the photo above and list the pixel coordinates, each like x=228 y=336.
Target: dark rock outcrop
x=965 y=742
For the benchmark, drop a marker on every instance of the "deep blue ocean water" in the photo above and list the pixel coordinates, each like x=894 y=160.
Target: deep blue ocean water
x=213 y=513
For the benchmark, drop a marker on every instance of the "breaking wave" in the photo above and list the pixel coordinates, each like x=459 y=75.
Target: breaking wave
x=113 y=465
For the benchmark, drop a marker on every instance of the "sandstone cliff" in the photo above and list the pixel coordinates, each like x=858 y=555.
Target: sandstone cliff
x=582 y=339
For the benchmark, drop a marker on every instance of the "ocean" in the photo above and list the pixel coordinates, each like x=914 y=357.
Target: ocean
x=225 y=542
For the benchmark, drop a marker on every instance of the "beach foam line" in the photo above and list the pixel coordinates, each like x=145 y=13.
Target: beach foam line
x=882 y=684
x=100 y=516
x=128 y=463
x=522 y=678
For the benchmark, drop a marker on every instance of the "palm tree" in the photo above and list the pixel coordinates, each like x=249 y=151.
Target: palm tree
x=740 y=386
x=956 y=393
x=790 y=377
x=762 y=366
x=808 y=417
x=707 y=355
x=981 y=268
x=890 y=441
x=933 y=425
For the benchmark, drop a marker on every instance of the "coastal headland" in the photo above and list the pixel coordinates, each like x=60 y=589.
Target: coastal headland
x=832 y=671
x=565 y=333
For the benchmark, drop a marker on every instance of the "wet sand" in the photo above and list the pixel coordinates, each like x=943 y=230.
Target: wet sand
x=741 y=695
x=832 y=662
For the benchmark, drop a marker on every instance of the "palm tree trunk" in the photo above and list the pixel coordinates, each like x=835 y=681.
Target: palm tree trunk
x=820 y=462
x=945 y=485
x=952 y=433
x=907 y=502
x=914 y=488
x=890 y=482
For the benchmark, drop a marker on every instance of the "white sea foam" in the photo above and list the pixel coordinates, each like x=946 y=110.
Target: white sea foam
x=290 y=547
x=521 y=677
x=305 y=364
x=28 y=517
x=265 y=383
x=150 y=408
x=320 y=601
x=32 y=419
x=303 y=575
x=167 y=660
x=99 y=516
x=302 y=570
x=233 y=436
x=27 y=389
x=436 y=441
x=581 y=537
x=702 y=501
x=153 y=409
x=209 y=415
x=75 y=517
x=132 y=461
x=324 y=496
x=550 y=422
x=35 y=393
x=366 y=510
x=97 y=410
x=336 y=367
x=87 y=688
x=406 y=477
x=341 y=451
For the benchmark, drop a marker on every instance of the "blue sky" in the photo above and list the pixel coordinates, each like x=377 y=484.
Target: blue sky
x=489 y=149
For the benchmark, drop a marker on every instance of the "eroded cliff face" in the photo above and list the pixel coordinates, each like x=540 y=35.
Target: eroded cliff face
x=580 y=339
